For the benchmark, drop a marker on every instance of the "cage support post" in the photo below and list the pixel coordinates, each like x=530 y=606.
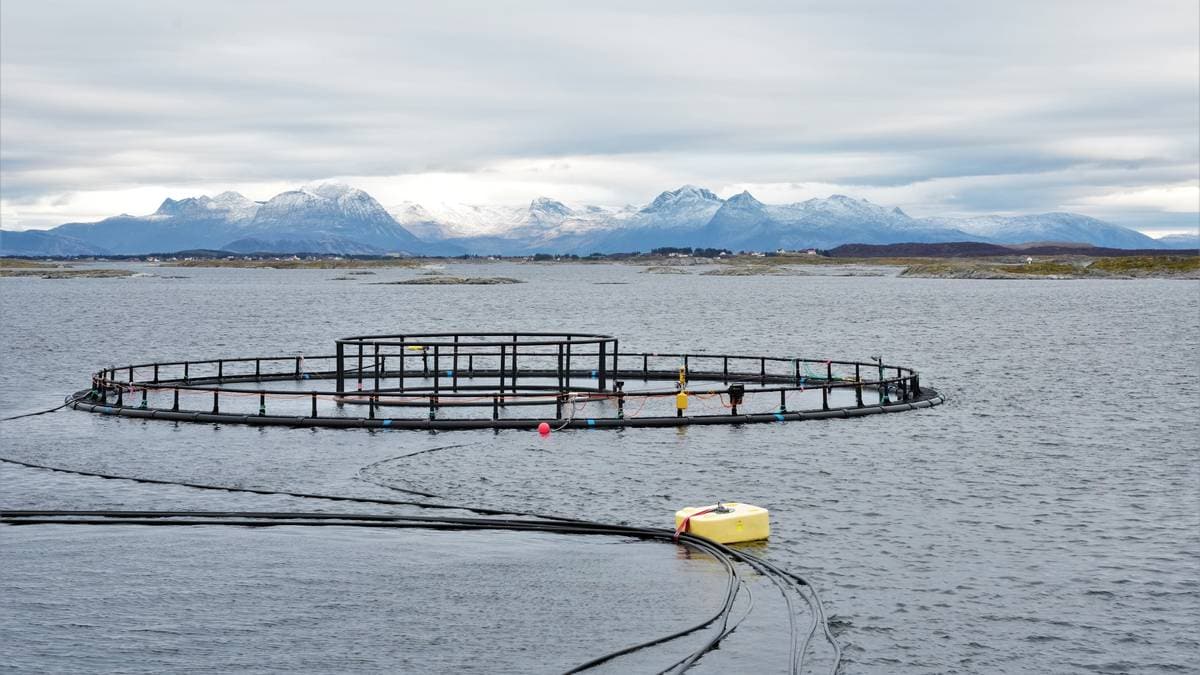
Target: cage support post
x=341 y=373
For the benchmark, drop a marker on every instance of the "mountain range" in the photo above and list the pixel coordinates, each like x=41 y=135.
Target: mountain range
x=336 y=218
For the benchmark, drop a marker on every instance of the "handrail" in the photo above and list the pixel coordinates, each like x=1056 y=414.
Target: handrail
x=498 y=369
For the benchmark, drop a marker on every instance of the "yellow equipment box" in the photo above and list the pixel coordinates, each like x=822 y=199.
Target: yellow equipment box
x=725 y=523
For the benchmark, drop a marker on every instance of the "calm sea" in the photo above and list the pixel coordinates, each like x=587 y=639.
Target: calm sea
x=1046 y=519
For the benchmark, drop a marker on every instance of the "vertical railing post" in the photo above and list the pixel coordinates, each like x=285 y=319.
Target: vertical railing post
x=725 y=369
x=175 y=401
x=762 y=370
x=341 y=370
x=156 y=372
x=616 y=369
x=782 y=400
x=375 y=358
x=314 y=405
x=437 y=374
x=216 y=403
x=185 y=371
x=503 y=365
x=603 y=383
x=262 y=404
x=403 y=360
x=825 y=396
x=454 y=367
x=513 y=379
x=360 y=365
x=220 y=371
x=559 y=367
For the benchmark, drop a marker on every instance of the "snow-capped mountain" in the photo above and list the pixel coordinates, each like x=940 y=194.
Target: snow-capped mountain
x=743 y=222
x=688 y=208
x=228 y=206
x=329 y=212
x=191 y=223
x=337 y=218
x=318 y=218
x=1057 y=227
x=694 y=216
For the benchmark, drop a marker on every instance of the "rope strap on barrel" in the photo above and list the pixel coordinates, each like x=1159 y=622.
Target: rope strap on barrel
x=687 y=521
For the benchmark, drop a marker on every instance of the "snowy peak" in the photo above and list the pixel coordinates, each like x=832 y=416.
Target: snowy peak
x=328 y=202
x=229 y=206
x=743 y=200
x=549 y=209
x=688 y=195
x=329 y=189
x=232 y=199
x=841 y=204
x=337 y=218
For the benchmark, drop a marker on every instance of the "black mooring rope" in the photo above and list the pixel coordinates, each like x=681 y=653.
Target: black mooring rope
x=543 y=523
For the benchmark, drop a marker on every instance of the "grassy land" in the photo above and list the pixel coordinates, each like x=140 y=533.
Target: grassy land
x=1006 y=267
x=1143 y=265
x=14 y=263
x=300 y=264
x=1067 y=267
x=57 y=273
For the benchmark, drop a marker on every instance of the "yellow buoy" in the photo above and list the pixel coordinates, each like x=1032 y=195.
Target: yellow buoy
x=725 y=522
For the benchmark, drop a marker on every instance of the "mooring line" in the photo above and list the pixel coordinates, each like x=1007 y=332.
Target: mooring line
x=722 y=553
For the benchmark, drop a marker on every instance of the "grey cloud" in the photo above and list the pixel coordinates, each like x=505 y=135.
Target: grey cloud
x=226 y=92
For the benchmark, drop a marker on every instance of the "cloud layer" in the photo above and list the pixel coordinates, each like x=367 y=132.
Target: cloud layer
x=939 y=107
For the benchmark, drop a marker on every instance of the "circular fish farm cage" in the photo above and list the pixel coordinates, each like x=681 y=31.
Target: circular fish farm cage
x=443 y=381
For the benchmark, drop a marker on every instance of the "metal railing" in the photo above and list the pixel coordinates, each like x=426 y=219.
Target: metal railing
x=441 y=371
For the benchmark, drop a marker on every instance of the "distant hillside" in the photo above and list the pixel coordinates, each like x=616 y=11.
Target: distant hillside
x=970 y=249
x=1184 y=241
x=39 y=243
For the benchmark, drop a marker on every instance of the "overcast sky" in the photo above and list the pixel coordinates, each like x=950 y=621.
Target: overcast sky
x=947 y=108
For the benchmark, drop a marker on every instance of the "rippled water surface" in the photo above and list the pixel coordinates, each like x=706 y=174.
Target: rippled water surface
x=1045 y=519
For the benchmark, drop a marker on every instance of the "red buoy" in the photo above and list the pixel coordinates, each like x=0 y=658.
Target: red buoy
x=544 y=429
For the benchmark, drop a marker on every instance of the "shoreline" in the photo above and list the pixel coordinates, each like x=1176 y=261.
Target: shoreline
x=1058 y=267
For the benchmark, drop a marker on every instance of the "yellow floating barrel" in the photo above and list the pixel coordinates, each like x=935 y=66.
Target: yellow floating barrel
x=725 y=522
